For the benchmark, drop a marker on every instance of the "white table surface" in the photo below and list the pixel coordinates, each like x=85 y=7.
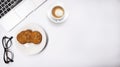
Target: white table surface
x=89 y=38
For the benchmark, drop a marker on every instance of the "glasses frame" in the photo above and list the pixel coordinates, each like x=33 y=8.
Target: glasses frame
x=7 y=43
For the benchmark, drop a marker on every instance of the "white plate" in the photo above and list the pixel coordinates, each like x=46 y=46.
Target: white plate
x=30 y=48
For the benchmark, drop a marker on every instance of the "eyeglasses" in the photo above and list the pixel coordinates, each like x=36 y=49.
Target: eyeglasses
x=7 y=43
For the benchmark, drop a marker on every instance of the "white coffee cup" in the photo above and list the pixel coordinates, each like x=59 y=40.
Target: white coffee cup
x=57 y=12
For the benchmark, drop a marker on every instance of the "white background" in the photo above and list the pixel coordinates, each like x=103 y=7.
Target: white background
x=89 y=38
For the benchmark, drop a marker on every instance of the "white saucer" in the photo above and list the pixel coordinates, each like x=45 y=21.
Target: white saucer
x=58 y=20
x=30 y=48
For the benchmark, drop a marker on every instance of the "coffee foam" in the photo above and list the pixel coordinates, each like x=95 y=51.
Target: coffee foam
x=59 y=12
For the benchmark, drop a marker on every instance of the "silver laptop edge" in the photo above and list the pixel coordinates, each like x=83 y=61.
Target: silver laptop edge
x=28 y=14
x=19 y=13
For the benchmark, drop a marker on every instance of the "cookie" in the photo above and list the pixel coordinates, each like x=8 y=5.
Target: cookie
x=36 y=37
x=27 y=34
x=21 y=37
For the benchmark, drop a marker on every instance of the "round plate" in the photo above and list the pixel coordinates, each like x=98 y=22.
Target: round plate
x=57 y=20
x=30 y=48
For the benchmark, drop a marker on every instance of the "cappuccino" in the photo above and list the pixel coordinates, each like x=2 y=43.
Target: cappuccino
x=57 y=12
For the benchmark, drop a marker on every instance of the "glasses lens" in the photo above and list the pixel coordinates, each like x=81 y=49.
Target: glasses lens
x=8 y=57
x=7 y=42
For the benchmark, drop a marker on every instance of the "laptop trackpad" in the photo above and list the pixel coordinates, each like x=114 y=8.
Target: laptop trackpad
x=24 y=8
x=10 y=20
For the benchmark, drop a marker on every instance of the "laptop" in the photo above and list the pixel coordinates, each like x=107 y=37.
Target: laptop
x=12 y=12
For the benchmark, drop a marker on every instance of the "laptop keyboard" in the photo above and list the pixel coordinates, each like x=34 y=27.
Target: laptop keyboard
x=7 y=5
